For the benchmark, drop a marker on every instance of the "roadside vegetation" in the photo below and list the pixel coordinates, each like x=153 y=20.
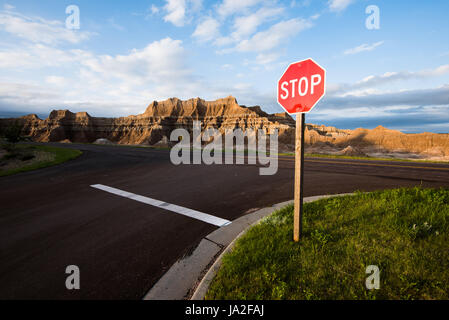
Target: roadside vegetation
x=15 y=157
x=336 y=156
x=405 y=232
x=31 y=157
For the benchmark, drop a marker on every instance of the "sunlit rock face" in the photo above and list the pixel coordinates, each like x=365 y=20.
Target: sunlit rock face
x=155 y=124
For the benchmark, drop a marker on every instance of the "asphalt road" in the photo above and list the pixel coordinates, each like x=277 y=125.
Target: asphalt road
x=51 y=218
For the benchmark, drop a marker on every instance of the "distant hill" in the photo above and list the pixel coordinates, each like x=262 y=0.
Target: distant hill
x=16 y=114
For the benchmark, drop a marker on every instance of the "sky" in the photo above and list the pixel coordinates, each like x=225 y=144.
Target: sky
x=392 y=71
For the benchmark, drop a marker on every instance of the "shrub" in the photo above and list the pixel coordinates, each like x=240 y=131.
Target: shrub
x=13 y=132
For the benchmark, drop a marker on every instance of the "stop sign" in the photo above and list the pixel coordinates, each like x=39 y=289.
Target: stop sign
x=301 y=86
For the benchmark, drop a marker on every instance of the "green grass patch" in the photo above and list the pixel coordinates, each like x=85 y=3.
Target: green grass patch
x=405 y=232
x=336 y=156
x=143 y=146
x=31 y=157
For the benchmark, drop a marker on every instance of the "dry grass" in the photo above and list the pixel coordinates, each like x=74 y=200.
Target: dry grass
x=21 y=158
x=14 y=164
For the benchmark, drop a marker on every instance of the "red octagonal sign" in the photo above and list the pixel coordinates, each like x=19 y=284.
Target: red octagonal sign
x=301 y=86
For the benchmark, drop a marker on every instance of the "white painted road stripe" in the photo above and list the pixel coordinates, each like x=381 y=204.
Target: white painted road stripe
x=167 y=206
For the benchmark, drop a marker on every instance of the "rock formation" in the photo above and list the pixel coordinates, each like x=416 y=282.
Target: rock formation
x=153 y=127
x=352 y=151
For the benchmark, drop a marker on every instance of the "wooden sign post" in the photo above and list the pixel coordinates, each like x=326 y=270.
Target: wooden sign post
x=299 y=175
x=299 y=89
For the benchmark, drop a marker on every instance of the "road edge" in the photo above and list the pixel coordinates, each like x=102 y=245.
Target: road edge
x=189 y=278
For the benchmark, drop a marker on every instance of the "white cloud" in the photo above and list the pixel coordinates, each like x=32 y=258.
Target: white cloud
x=224 y=41
x=339 y=5
x=176 y=10
x=416 y=97
x=39 y=75
x=365 y=86
x=160 y=61
x=56 y=80
x=299 y=4
x=229 y=7
x=207 y=30
x=154 y=9
x=243 y=26
x=436 y=72
x=35 y=56
x=115 y=25
x=39 y=30
x=363 y=47
x=247 y=25
x=15 y=96
x=111 y=85
x=180 y=12
x=157 y=71
x=7 y=6
x=402 y=75
x=366 y=104
x=266 y=58
x=274 y=36
x=196 y=5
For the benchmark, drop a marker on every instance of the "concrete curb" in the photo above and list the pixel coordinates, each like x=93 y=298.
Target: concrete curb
x=190 y=277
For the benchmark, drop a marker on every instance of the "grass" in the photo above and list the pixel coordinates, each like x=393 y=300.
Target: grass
x=125 y=145
x=336 y=156
x=405 y=232
x=30 y=157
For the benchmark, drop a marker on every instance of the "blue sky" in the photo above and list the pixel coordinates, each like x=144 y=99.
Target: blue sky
x=128 y=53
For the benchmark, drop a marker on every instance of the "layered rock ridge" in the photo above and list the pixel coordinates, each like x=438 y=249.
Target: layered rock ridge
x=153 y=127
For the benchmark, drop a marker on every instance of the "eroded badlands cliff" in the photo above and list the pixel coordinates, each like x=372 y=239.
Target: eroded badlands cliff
x=154 y=126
